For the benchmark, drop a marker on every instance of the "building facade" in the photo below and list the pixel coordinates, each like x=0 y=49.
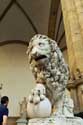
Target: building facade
x=61 y=20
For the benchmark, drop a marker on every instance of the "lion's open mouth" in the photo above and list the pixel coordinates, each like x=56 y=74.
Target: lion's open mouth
x=40 y=57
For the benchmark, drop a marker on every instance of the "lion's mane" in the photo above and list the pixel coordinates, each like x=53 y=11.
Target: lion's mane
x=53 y=71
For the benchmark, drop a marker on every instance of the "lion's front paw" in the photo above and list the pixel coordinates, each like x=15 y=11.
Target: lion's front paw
x=36 y=96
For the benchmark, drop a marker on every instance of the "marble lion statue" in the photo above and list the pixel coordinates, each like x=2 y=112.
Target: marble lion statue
x=49 y=68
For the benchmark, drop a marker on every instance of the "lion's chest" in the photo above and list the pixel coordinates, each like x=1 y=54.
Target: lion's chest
x=44 y=73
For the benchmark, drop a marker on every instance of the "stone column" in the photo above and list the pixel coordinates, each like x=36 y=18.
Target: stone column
x=79 y=9
x=73 y=23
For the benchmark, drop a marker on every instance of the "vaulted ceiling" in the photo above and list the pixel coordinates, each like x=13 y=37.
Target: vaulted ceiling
x=21 y=19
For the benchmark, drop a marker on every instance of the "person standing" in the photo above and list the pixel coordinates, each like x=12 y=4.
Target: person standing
x=4 y=110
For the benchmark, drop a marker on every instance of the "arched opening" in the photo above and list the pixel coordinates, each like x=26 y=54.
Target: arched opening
x=15 y=75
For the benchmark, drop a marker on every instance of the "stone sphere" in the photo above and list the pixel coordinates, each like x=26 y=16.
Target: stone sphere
x=42 y=109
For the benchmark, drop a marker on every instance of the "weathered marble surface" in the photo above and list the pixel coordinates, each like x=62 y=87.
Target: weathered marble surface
x=56 y=120
x=49 y=68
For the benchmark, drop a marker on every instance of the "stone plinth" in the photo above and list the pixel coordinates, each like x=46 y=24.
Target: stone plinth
x=56 y=120
x=21 y=121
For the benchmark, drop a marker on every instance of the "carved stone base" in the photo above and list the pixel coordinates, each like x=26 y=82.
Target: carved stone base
x=56 y=120
x=21 y=121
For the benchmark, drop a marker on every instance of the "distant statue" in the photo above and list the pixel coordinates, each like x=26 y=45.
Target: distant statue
x=23 y=108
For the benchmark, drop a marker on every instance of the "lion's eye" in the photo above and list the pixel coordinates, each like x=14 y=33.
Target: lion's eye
x=41 y=44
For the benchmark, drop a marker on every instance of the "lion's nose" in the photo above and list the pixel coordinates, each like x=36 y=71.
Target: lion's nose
x=34 y=50
x=33 y=55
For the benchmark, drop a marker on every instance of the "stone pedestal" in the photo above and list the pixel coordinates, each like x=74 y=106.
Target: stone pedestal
x=56 y=120
x=22 y=121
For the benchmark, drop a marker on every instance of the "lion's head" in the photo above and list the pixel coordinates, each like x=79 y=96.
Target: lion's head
x=39 y=49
